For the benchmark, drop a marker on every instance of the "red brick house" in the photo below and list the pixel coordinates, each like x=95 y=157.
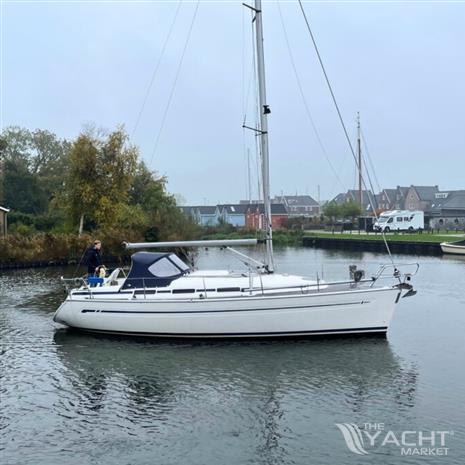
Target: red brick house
x=254 y=217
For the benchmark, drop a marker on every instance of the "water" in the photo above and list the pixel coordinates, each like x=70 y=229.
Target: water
x=73 y=399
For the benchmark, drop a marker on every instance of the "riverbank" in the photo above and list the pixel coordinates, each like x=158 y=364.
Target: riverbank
x=42 y=250
x=281 y=238
x=418 y=244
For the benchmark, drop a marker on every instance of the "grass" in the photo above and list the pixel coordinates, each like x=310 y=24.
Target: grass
x=391 y=237
x=280 y=237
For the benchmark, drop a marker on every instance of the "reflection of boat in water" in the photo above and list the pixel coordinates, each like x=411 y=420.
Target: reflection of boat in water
x=456 y=248
x=157 y=375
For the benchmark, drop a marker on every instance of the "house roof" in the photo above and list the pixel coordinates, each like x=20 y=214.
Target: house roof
x=235 y=208
x=4 y=209
x=426 y=193
x=201 y=209
x=207 y=209
x=276 y=208
x=297 y=200
x=352 y=194
x=390 y=193
x=367 y=196
x=188 y=210
x=455 y=201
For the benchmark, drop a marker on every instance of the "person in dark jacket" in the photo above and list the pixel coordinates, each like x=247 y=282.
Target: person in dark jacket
x=93 y=259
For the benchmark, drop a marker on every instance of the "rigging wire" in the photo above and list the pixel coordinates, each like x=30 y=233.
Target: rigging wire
x=315 y=46
x=254 y=80
x=173 y=88
x=371 y=192
x=304 y=100
x=370 y=160
x=157 y=67
x=246 y=91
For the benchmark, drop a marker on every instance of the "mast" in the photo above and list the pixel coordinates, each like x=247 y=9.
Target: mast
x=359 y=152
x=249 y=183
x=264 y=110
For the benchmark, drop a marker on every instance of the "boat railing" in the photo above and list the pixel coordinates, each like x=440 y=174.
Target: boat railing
x=82 y=282
x=317 y=286
x=74 y=283
x=391 y=270
x=314 y=287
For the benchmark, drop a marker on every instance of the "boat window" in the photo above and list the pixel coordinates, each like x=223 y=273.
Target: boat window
x=183 y=291
x=163 y=268
x=178 y=262
x=228 y=289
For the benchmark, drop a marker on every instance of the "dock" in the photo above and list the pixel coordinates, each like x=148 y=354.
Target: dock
x=360 y=243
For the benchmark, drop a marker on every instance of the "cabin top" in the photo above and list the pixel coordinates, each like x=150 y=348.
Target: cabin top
x=154 y=269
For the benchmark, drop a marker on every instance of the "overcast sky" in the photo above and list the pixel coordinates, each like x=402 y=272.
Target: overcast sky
x=402 y=65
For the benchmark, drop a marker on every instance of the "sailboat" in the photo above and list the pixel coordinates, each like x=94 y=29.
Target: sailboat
x=162 y=296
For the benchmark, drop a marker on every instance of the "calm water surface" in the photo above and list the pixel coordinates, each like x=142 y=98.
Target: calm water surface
x=67 y=398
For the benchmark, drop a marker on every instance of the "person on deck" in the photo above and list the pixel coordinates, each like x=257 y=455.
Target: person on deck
x=93 y=259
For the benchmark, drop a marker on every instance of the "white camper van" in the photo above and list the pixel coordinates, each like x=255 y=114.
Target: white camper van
x=400 y=220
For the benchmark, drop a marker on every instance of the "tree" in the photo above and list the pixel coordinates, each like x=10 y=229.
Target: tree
x=21 y=190
x=350 y=209
x=332 y=210
x=81 y=189
x=164 y=218
x=101 y=173
x=49 y=160
x=116 y=168
x=39 y=159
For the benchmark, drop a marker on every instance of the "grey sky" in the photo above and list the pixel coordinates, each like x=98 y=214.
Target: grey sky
x=402 y=65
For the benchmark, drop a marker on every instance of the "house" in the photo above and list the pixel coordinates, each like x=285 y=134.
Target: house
x=3 y=221
x=208 y=215
x=255 y=216
x=448 y=210
x=368 y=199
x=190 y=211
x=204 y=215
x=392 y=199
x=420 y=198
x=299 y=205
x=234 y=214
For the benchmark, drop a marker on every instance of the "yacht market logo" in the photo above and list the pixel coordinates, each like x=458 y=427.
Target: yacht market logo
x=373 y=436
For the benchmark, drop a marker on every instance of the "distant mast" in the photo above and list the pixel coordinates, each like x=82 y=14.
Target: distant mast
x=359 y=153
x=263 y=133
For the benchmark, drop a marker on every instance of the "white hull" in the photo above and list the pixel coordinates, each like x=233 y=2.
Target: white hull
x=448 y=247
x=346 y=312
